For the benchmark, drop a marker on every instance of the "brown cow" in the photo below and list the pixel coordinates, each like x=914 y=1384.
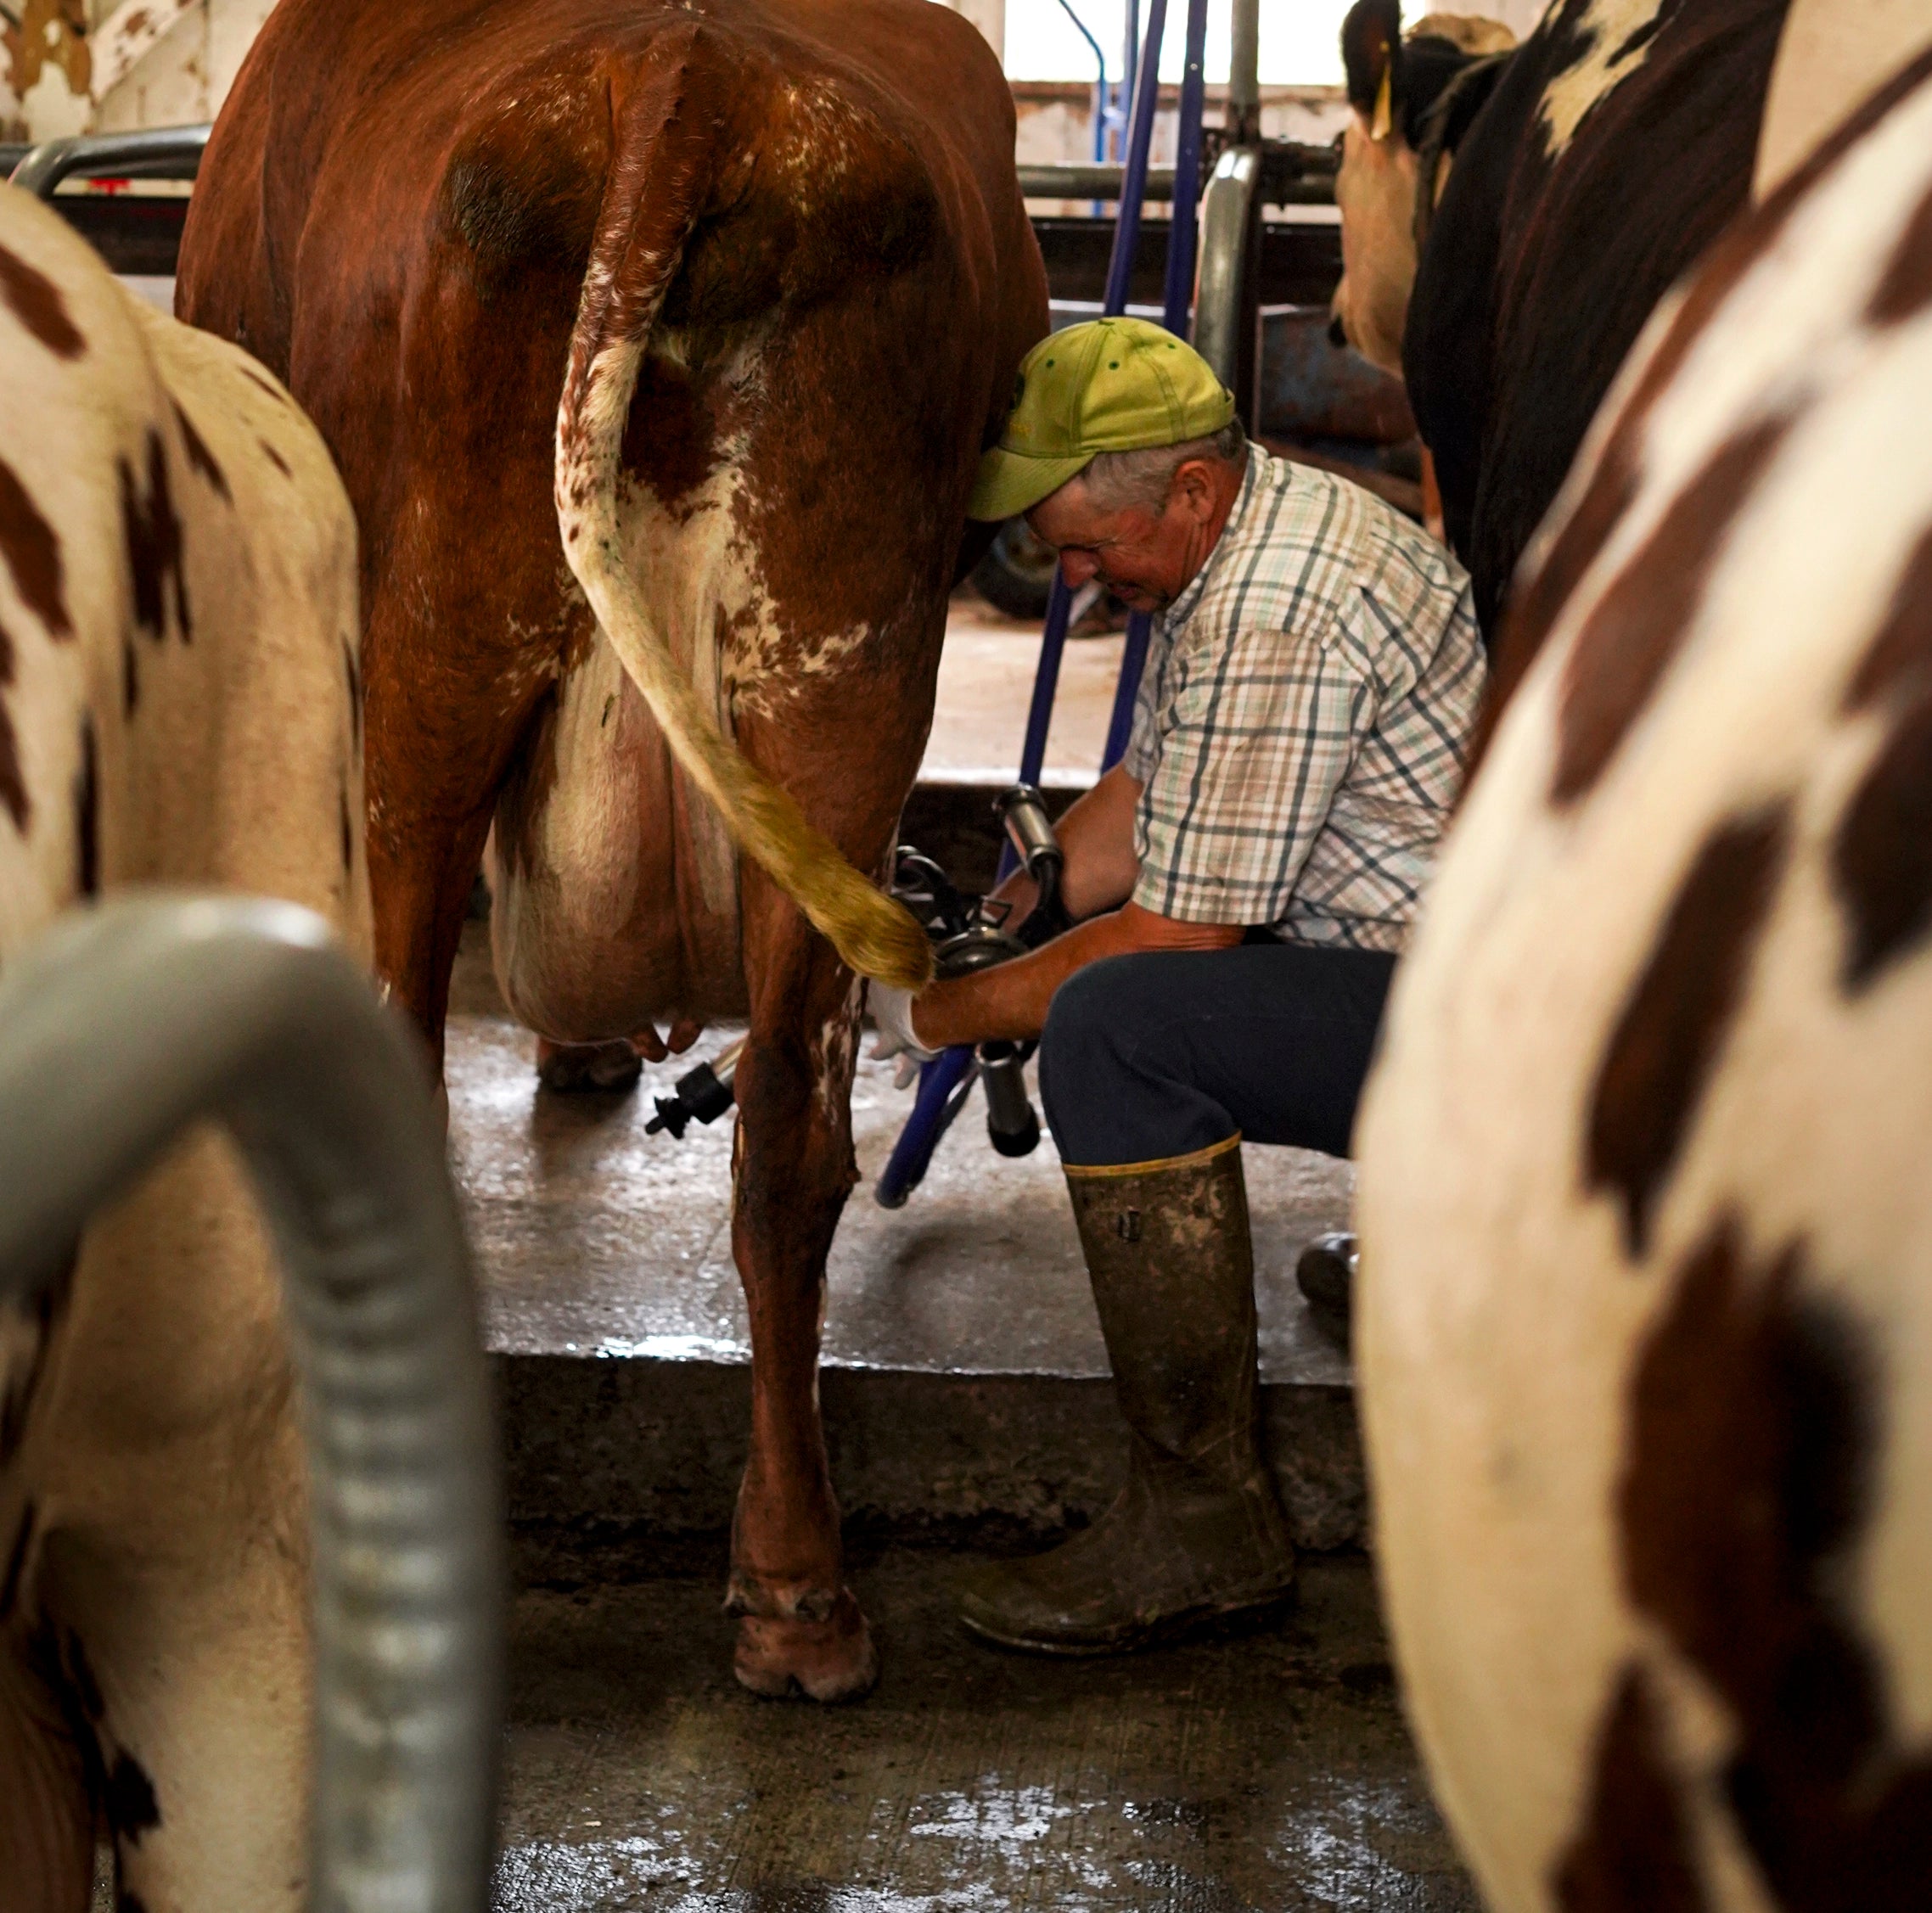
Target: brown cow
x=774 y=263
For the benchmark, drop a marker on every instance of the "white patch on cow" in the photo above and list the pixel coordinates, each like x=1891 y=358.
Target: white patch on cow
x=1606 y=63
x=837 y=1048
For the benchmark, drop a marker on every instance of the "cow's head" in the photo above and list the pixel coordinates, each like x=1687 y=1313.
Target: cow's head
x=1392 y=83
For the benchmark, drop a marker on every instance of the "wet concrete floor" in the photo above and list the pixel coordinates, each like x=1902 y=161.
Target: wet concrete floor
x=1267 y=1769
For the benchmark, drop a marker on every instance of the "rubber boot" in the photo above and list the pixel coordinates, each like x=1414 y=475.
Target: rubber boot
x=1199 y=1531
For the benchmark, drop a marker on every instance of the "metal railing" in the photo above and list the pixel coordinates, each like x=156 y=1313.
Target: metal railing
x=157 y=153
x=123 y=1025
x=1291 y=174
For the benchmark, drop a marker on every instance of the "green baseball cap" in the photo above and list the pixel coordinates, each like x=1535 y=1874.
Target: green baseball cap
x=1104 y=386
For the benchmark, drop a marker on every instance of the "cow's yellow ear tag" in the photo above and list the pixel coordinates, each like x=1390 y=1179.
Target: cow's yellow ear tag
x=1385 y=107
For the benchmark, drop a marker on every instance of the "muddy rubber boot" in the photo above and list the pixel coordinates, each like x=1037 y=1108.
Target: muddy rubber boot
x=1199 y=1530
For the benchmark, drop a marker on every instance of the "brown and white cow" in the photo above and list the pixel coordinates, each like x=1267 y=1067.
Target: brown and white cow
x=1646 y=1325
x=178 y=704
x=733 y=294
x=1570 y=184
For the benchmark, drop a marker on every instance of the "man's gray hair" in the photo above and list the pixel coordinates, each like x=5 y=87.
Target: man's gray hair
x=1118 y=481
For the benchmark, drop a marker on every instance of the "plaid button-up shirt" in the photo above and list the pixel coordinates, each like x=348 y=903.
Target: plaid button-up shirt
x=1304 y=717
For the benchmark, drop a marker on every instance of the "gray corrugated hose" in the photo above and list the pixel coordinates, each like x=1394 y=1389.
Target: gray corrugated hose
x=124 y=1024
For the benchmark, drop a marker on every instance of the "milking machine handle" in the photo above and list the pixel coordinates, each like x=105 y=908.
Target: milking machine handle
x=970 y=934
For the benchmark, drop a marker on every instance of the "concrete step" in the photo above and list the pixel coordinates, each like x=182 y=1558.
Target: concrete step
x=964 y=1379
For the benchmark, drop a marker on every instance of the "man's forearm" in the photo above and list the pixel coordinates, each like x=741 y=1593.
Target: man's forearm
x=1011 y=1000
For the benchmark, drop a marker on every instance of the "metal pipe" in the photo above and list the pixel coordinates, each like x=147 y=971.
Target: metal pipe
x=1244 y=124
x=1227 y=221
x=1100 y=84
x=121 y=1027
x=155 y=152
x=1078 y=180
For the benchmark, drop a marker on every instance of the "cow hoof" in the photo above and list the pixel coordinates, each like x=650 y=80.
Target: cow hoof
x=828 y=1660
x=573 y=1069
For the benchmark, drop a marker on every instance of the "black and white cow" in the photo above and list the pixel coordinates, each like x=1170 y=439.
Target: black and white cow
x=1645 y=1335
x=178 y=704
x=1570 y=185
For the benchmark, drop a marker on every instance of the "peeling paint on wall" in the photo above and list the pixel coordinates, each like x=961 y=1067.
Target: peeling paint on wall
x=51 y=34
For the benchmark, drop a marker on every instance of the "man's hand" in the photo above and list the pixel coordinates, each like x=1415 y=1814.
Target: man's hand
x=892 y=1013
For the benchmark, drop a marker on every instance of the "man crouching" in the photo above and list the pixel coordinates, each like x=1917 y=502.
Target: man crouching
x=1241 y=882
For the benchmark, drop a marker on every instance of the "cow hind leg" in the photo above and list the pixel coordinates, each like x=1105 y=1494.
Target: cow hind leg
x=799 y=1627
x=46 y=1816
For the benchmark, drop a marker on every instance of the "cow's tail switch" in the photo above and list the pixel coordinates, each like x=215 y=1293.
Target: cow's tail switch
x=659 y=175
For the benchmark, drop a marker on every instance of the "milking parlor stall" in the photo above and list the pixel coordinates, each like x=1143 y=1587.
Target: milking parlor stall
x=507 y=1401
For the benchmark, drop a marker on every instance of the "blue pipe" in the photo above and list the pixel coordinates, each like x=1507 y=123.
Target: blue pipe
x=1100 y=95
x=1177 y=315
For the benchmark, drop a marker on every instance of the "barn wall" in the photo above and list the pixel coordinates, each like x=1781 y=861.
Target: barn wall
x=105 y=65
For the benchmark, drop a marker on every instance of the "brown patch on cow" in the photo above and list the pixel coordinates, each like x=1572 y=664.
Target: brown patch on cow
x=77 y=1675
x=130 y=678
x=1537 y=601
x=275 y=458
x=199 y=456
x=1640 y=621
x=1905 y=287
x=1756 y=1423
x=12 y=780
x=1881 y=855
x=1635 y=1850
x=1899 y=658
x=267 y=385
x=128 y=1799
x=87 y=816
x=37 y=304
x=152 y=533
x=355 y=681
x=16 y=1566
x=47 y=1308
x=1666 y=1041
x=32 y=552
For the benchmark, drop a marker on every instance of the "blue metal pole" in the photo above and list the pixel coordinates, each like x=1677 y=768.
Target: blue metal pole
x=1133 y=182
x=1177 y=316
x=938 y=1102
x=1100 y=93
x=1180 y=287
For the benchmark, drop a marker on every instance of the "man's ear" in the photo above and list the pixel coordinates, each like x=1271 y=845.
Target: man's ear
x=1194 y=485
x=1372 y=52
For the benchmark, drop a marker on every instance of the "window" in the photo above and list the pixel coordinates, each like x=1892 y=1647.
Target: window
x=1299 y=42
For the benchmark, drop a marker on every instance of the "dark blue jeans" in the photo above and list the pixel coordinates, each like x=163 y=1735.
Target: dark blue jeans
x=1164 y=1052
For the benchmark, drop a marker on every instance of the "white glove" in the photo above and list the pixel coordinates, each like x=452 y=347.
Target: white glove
x=892 y=1011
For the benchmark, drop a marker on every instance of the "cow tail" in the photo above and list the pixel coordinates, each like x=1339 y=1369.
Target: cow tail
x=661 y=173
